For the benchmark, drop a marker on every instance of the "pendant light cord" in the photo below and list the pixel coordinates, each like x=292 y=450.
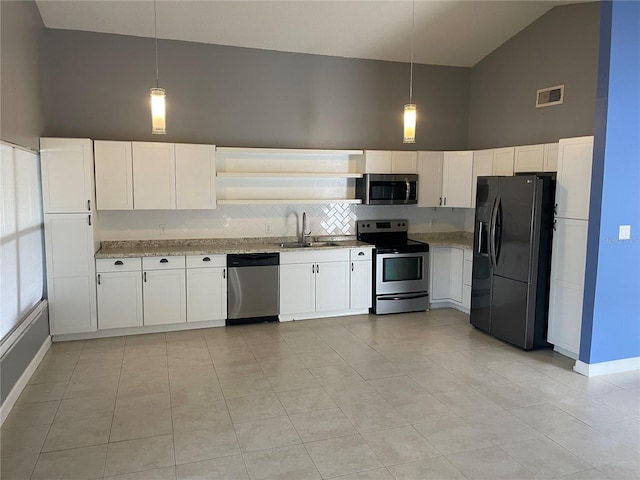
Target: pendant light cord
x=155 y=34
x=413 y=26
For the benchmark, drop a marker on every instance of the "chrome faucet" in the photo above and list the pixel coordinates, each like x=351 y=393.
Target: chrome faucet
x=304 y=235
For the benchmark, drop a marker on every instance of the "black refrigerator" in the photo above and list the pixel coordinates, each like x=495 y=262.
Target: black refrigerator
x=512 y=258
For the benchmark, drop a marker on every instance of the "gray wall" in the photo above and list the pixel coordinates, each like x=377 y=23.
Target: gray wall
x=97 y=86
x=21 y=116
x=559 y=48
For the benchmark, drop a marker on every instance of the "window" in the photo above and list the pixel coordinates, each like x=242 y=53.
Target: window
x=21 y=234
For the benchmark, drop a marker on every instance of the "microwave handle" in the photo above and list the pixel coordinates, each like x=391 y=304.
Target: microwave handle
x=408 y=187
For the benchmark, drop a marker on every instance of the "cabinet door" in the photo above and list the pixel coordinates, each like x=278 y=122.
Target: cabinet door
x=550 y=157
x=206 y=294
x=573 y=182
x=297 y=288
x=440 y=273
x=332 y=286
x=503 y=161
x=529 y=158
x=567 y=284
x=456 y=279
x=361 y=286
x=71 y=288
x=114 y=175
x=430 y=179
x=377 y=161
x=154 y=176
x=482 y=167
x=404 y=162
x=119 y=300
x=67 y=175
x=457 y=179
x=164 y=297
x=195 y=176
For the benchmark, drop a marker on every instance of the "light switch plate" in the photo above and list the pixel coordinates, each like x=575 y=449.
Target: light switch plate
x=625 y=232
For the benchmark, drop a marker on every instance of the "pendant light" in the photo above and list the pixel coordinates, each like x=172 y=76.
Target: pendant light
x=158 y=112
x=410 y=112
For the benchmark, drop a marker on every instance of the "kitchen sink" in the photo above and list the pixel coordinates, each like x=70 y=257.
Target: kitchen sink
x=309 y=244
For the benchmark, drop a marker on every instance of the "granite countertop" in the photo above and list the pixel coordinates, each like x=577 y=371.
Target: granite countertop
x=221 y=246
x=213 y=246
x=445 y=239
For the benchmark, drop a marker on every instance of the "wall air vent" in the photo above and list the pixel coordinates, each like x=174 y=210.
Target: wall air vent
x=550 y=96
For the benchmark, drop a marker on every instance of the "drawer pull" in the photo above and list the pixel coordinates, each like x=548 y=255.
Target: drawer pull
x=118 y=262
x=360 y=254
x=164 y=260
x=206 y=259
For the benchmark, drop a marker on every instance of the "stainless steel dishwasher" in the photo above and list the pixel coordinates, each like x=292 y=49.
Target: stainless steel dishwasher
x=253 y=293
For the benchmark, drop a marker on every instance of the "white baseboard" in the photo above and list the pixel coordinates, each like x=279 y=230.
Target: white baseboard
x=606 y=368
x=23 y=380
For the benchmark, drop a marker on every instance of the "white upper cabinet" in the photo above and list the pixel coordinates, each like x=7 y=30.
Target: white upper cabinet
x=573 y=183
x=114 y=175
x=457 y=178
x=529 y=158
x=430 y=179
x=387 y=161
x=67 y=175
x=404 y=162
x=482 y=167
x=195 y=176
x=503 y=159
x=551 y=157
x=377 y=161
x=154 y=176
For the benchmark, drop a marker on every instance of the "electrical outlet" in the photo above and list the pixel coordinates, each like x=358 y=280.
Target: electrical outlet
x=268 y=228
x=163 y=229
x=624 y=233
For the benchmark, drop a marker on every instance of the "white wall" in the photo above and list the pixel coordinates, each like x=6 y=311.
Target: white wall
x=238 y=221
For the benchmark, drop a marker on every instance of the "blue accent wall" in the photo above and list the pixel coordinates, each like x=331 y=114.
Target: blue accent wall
x=611 y=313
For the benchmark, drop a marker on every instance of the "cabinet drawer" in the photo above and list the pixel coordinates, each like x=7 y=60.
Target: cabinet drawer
x=358 y=254
x=104 y=265
x=466 y=273
x=163 y=263
x=202 y=261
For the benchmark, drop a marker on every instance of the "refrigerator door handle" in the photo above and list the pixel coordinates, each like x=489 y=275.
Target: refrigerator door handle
x=498 y=227
x=480 y=230
x=492 y=234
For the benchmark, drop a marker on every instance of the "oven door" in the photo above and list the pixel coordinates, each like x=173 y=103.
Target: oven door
x=398 y=273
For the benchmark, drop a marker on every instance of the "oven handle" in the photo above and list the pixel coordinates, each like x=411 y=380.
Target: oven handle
x=411 y=297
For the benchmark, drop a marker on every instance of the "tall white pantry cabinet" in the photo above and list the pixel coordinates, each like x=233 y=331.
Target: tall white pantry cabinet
x=568 y=261
x=71 y=233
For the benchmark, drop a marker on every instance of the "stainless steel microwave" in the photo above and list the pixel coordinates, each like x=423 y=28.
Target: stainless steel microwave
x=387 y=189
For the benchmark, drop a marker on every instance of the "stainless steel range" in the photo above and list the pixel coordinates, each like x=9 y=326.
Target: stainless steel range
x=401 y=266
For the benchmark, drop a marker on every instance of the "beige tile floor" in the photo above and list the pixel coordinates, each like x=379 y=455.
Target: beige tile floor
x=410 y=396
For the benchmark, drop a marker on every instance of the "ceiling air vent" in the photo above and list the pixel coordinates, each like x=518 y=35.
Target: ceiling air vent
x=550 y=96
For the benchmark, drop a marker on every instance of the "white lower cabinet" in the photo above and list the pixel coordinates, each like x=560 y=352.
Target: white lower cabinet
x=70 y=245
x=119 y=286
x=164 y=290
x=313 y=282
x=207 y=288
x=567 y=285
x=448 y=280
x=361 y=278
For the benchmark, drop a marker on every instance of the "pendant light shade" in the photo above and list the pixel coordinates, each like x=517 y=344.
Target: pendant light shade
x=410 y=111
x=158 y=108
x=158 y=112
x=409 y=123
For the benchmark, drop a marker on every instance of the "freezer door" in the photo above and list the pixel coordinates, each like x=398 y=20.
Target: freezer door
x=510 y=316
x=513 y=226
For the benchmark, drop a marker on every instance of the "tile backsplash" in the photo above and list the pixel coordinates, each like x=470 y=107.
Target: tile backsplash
x=234 y=221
